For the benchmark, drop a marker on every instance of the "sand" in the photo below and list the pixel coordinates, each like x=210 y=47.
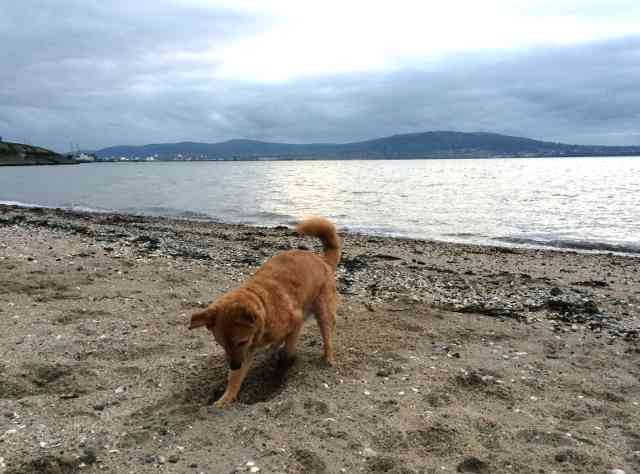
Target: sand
x=451 y=358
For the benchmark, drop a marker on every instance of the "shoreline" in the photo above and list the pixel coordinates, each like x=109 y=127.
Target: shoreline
x=580 y=247
x=450 y=356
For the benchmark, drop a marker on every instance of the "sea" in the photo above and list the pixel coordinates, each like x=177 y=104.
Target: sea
x=588 y=204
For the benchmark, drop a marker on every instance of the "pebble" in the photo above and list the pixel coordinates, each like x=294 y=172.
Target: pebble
x=369 y=453
x=88 y=456
x=615 y=471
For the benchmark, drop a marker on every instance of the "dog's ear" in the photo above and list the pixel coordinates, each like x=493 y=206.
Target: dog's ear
x=203 y=318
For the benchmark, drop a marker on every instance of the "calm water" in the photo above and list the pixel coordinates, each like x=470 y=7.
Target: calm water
x=590 y=203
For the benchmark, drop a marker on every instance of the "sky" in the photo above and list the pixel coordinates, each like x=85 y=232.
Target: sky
x=92 y=74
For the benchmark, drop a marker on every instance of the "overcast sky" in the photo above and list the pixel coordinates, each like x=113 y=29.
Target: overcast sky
x=99 y=73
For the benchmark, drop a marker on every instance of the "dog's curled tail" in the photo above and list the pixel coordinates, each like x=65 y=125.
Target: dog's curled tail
x=326 y=232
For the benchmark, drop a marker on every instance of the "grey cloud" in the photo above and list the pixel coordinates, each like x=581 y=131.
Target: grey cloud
x=105 y=73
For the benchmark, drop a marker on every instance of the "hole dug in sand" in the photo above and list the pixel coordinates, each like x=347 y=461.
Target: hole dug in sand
x=266 y=379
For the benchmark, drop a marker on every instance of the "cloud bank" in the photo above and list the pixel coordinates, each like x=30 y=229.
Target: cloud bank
x=97 y=74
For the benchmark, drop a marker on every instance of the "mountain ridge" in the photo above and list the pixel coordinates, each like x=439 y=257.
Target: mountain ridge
x=431 y=144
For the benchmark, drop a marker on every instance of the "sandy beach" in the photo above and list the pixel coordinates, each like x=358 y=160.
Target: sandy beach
x=451 y=358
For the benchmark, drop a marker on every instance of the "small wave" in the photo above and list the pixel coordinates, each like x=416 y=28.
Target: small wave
x=161 y=211
x=463 y=235
x=23 y=204
x=571 y=244
x=270 y=217
x=68 y=207
x=376 y=231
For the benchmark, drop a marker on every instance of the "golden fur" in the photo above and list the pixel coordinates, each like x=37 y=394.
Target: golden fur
x=270 y=307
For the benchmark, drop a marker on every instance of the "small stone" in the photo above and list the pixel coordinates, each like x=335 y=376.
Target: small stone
x=383 y=373
x=254 y=469
x=68 y=396
x=369 y=453
x=162 y=460
x=615 y=471
x=174 y=458
x=88 y=456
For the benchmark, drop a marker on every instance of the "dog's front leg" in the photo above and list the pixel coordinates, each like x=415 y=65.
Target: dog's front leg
x=234 y=383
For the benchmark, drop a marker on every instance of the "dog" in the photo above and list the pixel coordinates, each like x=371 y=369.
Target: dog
x=270 y=308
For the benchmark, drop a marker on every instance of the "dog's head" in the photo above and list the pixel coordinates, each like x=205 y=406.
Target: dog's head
x=233 y=325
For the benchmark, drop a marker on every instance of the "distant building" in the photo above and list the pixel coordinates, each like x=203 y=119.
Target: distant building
x=85 y=157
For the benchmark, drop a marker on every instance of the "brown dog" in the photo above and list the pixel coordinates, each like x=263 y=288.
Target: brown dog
x=269 y=309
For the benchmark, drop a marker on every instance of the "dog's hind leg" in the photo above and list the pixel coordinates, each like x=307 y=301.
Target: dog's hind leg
x=325 y=310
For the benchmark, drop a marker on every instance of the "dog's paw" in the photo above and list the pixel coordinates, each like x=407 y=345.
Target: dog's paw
x=329 y=361
x=222 y=403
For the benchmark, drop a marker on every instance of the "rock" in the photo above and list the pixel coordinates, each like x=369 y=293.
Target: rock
x=88 y=456
x=68 y=396
x=149 y=243
x=572 y=304
x=615 y=471
x=310 y=461
x=369 y=453
x=384 y=372
x=592 y=283
x=174 y=458
x=353 y=264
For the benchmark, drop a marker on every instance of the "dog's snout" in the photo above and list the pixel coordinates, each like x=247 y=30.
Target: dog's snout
x=234 y=365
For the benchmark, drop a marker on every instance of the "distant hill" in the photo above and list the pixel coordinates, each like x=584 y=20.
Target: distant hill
x=439 y=144
x=18 y=154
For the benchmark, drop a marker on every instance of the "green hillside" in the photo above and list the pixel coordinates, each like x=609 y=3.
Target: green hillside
x=19 y=154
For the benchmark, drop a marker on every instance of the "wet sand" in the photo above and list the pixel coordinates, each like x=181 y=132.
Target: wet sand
x=451 y=358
